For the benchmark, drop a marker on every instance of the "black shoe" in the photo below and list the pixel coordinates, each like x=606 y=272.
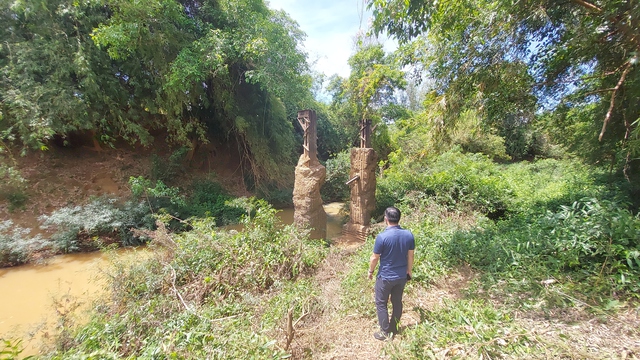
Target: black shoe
x=382 y=336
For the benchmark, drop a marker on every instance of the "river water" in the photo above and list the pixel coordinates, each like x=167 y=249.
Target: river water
x=31 y=296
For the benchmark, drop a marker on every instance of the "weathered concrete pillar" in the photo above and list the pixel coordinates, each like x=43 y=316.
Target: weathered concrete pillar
x=310 y=177
x=363 y=191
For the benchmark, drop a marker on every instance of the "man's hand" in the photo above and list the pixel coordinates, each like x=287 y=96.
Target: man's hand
x=373 y=262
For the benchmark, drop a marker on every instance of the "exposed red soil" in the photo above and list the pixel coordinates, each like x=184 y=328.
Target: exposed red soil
x=64 y=176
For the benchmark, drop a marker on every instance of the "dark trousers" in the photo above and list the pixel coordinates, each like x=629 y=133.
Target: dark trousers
x=385 y=289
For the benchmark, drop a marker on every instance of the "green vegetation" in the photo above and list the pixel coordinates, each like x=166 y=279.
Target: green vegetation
x=17 y=246
x=560 y=242
x=197 y=294
x=117 y=70
x=338 y=169
x=507 y=133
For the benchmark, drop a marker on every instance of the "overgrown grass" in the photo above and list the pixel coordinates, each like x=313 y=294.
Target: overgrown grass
x=464 y=329
x=546 y=229
x=540 y=235
x=591 y=247
x=202 y=293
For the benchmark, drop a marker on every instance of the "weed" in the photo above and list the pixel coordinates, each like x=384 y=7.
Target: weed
x=11 y=350
x=17 y=247
x=464 y=329
x=197 y=293
x=100 y=218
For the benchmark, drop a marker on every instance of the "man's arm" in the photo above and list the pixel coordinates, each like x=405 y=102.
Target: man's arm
x=373 y=261
x=409 y=262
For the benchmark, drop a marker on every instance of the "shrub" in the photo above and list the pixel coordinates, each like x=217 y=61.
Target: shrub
x=207 y=199
x=592 y=244
x=101 y=217
x=16 y=247
x=338 y=169
x=17 y=199
x=453 y=179
x=197 y=294
x=547 y=184
x=12 y=184
x=167 y=170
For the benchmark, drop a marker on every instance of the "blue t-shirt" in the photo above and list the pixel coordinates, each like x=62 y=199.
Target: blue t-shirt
x=393 y=244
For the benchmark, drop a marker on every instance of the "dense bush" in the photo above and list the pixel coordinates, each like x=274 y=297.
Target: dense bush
x=12 y=184
x=89 y=227
x=196 y=295
x=167 y=170
x=545 y=230
x=453 y=179
x=547 y=184
x=338 y=168
x=17 y=246
x=207 y=199
x=593 y=244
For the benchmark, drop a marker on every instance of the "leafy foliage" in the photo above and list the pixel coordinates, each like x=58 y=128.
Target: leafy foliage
x=98 y=223
x=591 y=242
x=576 y=61
x=368 y=94
x=204 y=286
x=338 y=168
x=17 y=247
x=543 y=226
x=13 y=185
x=207 y=199
x=453 y=179
x=124 y=70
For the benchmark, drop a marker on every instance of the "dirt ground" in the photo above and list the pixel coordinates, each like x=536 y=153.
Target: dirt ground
x=69 y=176
x=572 y=334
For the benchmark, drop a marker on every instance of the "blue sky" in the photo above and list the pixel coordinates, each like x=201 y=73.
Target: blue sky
x=331 y=27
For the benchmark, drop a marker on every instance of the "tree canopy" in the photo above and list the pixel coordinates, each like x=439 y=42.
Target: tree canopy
x=574 y=62
x=193 y=69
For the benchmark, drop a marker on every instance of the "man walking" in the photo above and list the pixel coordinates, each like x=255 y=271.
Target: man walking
x=394 y=249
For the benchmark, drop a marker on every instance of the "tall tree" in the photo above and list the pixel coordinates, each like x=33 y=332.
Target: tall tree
x=194 y=69
x=577 y=53
x=368 y=93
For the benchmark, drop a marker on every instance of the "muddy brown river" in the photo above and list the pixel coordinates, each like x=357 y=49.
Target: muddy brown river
x=31 y=295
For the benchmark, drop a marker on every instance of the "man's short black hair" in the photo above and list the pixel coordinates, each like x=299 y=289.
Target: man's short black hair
x=392 y=214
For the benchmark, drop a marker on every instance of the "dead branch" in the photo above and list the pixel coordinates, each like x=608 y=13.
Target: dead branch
x=300 y=318
x=599 y=91
x=627 y=133
x=587 y=5
x=291 y=326
x=613 y=99
x=173 y=287
x=290 y=330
